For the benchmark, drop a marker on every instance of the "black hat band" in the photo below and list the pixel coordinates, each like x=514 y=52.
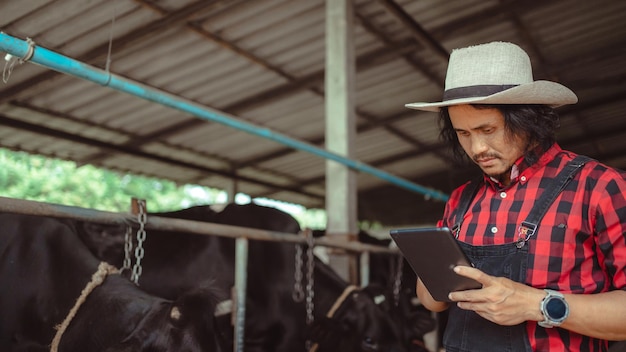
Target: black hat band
x=475 y=91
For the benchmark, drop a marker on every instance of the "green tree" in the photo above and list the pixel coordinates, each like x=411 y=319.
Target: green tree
x=37 y=178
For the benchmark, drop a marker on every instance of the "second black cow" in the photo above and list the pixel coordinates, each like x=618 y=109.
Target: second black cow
x=345 y=318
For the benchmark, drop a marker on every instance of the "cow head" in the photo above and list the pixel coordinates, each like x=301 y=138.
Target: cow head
x=145 y=324
x=357 y=324
x=191 y=323
x=413 y=320
x=399 y=299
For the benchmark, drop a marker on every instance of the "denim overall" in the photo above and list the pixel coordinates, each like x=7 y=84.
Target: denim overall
x=467 y=331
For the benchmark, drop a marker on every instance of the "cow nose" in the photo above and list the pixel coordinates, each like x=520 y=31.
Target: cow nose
x=368 y=344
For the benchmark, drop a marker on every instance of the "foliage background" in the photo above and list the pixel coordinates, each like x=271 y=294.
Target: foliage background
x=34 y=177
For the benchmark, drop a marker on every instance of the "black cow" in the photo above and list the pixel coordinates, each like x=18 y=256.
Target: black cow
x=394 y=274
x=274 y=321
x=44 y=267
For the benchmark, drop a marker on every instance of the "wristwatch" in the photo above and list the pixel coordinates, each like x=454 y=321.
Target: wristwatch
x=554 y=309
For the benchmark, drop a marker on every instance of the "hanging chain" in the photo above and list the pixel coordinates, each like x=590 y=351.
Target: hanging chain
x=128 y=247
x=142 y=218
x=309 y=277
x=398 y=280
x=298 y=291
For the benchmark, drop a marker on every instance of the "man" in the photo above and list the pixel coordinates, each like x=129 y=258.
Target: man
x=552 y=269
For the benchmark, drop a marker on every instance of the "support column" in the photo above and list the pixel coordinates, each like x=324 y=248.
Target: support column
x=232 y=189
x=341 y=190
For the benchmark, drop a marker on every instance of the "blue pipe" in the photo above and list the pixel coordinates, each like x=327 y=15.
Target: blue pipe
x=20 y=48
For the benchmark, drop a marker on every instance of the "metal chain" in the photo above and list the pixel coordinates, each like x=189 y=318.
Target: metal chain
x=397 y=284
x=298 y=291
x=142 y=218
x=128 y=247
x=309 y=277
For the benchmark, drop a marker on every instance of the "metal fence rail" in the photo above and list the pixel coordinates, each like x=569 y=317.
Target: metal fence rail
x=20 y=206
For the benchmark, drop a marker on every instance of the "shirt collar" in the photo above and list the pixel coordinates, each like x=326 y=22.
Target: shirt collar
x=522 y=167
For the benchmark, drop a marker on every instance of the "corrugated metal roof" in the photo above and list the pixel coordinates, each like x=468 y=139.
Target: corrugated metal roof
x=262 y=61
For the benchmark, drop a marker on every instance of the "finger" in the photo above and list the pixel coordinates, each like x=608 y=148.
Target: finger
x=475 y=295
x=467 y=296
x=473 y=273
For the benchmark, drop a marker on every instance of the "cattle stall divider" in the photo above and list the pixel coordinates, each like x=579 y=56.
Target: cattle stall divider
x=241 y=235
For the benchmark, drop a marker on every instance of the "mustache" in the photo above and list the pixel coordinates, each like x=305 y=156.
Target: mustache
x=485 y=156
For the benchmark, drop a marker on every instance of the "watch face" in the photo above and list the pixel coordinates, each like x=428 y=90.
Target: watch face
x=555 y=308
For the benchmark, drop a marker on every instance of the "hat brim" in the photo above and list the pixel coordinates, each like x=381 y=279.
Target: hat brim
x=537 y=92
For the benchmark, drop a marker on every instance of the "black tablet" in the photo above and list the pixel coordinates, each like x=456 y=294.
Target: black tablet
x=432 y=253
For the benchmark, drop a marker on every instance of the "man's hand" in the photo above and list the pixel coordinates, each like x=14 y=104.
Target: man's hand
x=500 y=300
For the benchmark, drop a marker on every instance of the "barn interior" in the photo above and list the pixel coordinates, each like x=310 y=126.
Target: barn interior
x=235 y=95
x=262 y=65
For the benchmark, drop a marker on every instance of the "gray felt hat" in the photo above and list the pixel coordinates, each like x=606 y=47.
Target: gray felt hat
x=495 y=73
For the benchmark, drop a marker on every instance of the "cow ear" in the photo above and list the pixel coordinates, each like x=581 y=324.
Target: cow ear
x=197 y=306
x=106 y=242
x=176 y=316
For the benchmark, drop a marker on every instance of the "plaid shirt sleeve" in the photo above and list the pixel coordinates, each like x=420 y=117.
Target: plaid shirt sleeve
x=608 y=208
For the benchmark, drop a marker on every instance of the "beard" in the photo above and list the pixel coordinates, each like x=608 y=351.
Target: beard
x=497 y=169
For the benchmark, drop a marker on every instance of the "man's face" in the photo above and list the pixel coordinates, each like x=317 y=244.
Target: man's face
x=482 y=135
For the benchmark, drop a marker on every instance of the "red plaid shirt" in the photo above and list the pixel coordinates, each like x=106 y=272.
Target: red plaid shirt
x=579 y=246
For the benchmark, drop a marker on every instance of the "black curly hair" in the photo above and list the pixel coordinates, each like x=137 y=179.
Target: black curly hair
x=537 y=124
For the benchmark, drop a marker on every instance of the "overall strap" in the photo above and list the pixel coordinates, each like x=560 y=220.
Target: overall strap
x=464 y=202
x=529 y=226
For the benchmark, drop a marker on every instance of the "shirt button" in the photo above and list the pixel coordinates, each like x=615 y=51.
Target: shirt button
x=494 y=229
x=502 y=194
x=523 y=178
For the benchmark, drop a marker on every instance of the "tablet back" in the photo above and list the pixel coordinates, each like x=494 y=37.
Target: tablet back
x=432 y=253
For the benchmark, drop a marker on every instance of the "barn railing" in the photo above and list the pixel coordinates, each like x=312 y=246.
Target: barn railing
x=241 y=235
x=21 y=206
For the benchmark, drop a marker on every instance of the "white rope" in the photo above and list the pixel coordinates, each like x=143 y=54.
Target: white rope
x=334 y=308
x=340 y=300
x=107 y=65
x=97 y=278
